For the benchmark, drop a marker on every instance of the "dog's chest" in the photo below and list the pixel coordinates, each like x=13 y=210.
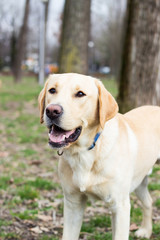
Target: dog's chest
x=86 y=179
x=81 y=165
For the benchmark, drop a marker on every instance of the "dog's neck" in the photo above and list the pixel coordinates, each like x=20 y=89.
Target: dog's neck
x=81 y=159
x=86 y=140
x=95 y=140
x=85 y=163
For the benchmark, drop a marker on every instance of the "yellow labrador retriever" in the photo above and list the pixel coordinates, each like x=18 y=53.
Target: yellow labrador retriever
x=106 y=155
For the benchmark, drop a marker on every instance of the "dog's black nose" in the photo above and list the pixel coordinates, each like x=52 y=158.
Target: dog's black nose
x=54 y=111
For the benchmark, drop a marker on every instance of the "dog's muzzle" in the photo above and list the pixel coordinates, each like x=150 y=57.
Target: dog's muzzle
x=59 y=137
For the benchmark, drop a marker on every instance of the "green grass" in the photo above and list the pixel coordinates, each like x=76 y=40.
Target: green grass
x=155 y=169
x=101 y=236
x=45 y=237
x=26 y=215
x=27 y=192
x=42 y=184
x=154 y=186
x=4 y=182
x=5 y=223
x=136 y=213
x=103 y=222
x=157 y=203
x=9 y=236
x=29 y=182
x=156 y=230
x=111 y=85
x=22 y=93
x=29 y=152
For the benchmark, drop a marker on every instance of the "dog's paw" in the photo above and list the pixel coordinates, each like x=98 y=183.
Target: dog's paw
x=143 y=233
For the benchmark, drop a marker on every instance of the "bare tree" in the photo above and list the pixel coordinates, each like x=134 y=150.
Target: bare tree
x=140 y=73
x=21 y=45
x=75 y=36
x=13 y=43
x=46 y=19
x=107 y=33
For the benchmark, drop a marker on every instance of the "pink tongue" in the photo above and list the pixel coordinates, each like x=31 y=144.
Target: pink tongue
x=59 y=137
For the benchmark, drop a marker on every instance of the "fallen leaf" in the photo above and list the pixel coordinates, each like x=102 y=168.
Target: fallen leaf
x=158 y=172
x=4 y=154
x=45 y=218
x=36 y=230
x=44 y=229
x=133 y=227
x=44 y=203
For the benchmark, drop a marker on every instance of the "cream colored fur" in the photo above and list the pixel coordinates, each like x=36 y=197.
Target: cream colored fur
x=126 y=150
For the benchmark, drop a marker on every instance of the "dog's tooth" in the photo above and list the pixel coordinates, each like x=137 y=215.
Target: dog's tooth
x=63 y=138
x=52 y=130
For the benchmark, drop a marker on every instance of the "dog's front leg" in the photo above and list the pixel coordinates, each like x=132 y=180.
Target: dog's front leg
x=73 y=216
x=121 y=220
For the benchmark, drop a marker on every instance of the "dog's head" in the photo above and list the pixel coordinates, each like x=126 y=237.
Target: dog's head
x=70 y=103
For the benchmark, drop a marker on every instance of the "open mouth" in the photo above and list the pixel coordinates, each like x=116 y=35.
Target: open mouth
x=59 y=137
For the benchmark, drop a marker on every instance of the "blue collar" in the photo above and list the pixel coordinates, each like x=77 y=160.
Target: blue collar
x=95 y=140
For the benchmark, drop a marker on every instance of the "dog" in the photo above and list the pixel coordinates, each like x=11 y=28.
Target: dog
x=105 y=155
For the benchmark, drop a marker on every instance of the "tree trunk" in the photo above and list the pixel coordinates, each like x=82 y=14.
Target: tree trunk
x=13 y=43
x=46 y=19
x=140 y=73
x=46 y=12
x=75 y=36
x=21 y=45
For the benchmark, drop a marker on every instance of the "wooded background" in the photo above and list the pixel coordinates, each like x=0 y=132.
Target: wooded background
x=115 y=41
x=121 y=35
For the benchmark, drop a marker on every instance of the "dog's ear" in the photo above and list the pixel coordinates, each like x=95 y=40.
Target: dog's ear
x=108 y=106
x=41 y=101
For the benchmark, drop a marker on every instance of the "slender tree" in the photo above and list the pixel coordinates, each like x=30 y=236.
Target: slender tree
x=75 y=35
x=46 y=20
x=13 y=42
x=140 y=73
x=21 y=45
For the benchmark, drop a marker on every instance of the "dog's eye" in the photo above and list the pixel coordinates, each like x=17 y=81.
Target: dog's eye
x=52 y=90
x=80 y=94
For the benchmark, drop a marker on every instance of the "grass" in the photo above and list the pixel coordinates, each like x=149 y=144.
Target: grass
x=48 y=238
x=27 y=192
x=29 y=183
x=26 y=215
x=157 y=203
x=4 y=182
x=5 y=223
x=111 y=85
x=154 y=186
x=9 y=236
x=42 y=184
x=97 y=227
